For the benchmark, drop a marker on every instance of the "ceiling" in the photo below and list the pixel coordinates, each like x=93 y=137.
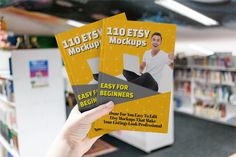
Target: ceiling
x=224 y=11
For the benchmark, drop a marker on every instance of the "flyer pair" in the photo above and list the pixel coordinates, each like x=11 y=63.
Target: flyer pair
x=127 y=62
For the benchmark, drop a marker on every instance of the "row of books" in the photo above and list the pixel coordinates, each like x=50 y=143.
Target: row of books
x=8 y=125
x=4 y=152
x=224 y=60
x=212 y=93
x=183 y=87
x=180 y=102
x=182 y=82
x=7 y=89
x=182 y=73
x=210 y=110
x=206 y=76
x=215 y=76
x=213 y=81
x=181 y=60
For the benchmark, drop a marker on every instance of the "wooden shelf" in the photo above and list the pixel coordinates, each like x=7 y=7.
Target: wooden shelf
x=7 y=146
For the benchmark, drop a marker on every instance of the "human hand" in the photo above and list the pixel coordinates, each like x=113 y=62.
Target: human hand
x=73 y=140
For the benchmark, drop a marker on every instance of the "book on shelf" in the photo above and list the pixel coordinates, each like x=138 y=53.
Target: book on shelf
x=4 y=152
x=223 y=60
x=8 y=125
x=215 y=61
x=210 y=110
x=215 y=93
x=7 y=89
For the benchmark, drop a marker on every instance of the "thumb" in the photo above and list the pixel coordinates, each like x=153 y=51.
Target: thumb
x=98 y=112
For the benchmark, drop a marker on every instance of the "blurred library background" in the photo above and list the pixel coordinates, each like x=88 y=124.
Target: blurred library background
x=203 y=108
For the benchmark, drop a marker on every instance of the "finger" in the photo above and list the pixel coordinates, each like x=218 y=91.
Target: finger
x=98 y=112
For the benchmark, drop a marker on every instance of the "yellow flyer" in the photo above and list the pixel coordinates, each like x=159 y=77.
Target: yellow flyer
x=79 y=48
x=136 y=73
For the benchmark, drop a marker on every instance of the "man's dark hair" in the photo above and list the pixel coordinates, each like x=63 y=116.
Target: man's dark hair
x=158 y=34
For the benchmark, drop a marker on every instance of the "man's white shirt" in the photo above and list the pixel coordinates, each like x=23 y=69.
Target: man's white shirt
x=155 y=64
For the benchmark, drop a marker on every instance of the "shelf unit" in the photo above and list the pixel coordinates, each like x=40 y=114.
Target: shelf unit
x=7 y=146
x=4 y=100
x=36 y=108
x=188 y=108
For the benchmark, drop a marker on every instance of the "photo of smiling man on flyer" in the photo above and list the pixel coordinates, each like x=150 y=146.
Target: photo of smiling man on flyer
x=152 y=65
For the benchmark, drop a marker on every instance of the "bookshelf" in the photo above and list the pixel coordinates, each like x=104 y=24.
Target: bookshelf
x=3 y=99
x=27 y=111
x=204 y=86
x=7 y=146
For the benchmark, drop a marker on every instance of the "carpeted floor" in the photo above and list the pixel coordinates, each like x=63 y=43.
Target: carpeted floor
x=193 y=138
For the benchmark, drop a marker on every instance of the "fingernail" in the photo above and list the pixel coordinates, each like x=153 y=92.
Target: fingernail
x=110 y=104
